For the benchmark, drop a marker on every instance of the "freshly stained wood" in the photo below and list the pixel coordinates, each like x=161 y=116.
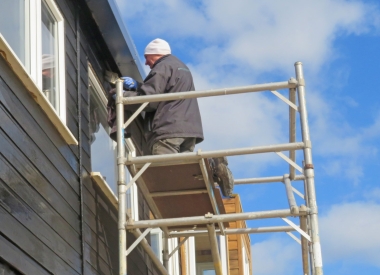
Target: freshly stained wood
x=235 y=243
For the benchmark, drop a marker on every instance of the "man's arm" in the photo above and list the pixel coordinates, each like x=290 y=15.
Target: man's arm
x=154 y=83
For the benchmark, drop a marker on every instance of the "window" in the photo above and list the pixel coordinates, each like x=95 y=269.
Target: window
x=34 y=29
x=103 y=153
x=156 y=242
x=204 y=260
x=14 y=27
x=103 y=148
x=206 y=269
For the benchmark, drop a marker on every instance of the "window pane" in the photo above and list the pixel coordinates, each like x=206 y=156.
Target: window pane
x=13 y=22
x=209 y=272
x=49 y=55
x=155 y=244
x=103 y=157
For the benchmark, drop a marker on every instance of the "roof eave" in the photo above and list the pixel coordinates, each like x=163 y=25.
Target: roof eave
x=107 y=16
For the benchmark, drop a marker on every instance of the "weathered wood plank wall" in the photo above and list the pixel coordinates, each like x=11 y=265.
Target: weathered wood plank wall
x=41 y=230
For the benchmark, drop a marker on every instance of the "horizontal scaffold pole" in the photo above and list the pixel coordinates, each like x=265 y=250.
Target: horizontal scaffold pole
x=148 y=249
x=214 y=154
x=265 y=180
x=256 y=230
x=210 y=218
x=291 y=83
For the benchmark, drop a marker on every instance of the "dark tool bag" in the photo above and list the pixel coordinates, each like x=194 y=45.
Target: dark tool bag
x=222 y=175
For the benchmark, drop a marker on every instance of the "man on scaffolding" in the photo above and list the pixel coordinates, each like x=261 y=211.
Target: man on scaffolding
x=170 y=126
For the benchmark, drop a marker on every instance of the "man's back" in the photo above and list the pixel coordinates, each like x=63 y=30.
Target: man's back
x=172 y=119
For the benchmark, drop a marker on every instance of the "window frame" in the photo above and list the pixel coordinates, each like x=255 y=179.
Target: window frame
x=158 y=231
x=132 y=191
x=33 y=50
x=204 y=266
x=174 y=260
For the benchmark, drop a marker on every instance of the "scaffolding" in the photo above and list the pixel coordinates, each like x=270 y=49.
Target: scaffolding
x=213 y=224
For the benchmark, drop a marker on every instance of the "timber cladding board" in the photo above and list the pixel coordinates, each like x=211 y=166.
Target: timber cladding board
x=233 y=254
x=71 y=52
x=33 y=246
x=236 y=242
x=41 y=160
x=71 y=107
x=230 y=208
x=101 y=233
x=97 y=244
x=15 y=185
x=71 y=90
x=31 y=160
x=67 y=9
x=5 y=268
x=26 y=112
x=59 y=198
x=101 y=266
x=16 y=258
x=39 y=227
x=54 y=169
x=71 y=69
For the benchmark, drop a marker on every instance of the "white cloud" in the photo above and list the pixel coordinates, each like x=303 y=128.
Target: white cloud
x=265 y=35
x=349 y=236
x=275 y=257
x=373 y=194
x=234 y=43
x=349 y=233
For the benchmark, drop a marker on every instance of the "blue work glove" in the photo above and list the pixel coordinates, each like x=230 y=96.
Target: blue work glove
x=129 y=83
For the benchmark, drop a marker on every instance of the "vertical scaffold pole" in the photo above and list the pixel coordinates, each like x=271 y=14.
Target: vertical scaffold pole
x=165 y=251
x=292 y=131
x=304 y=246
x=121 y=179
x=309 y=171
x=214 y=249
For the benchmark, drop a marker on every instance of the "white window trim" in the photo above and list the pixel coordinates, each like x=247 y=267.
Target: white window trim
x=133 y=188
x=223 y=252
x=95 y=83
x=93 y=80
x=174 y=259
x=32 y=80
x=35 y=45
x=103 y=185
x=245 y=264
x=190 y=259
x=158 y=231
x=18 y=68
x=173 y=263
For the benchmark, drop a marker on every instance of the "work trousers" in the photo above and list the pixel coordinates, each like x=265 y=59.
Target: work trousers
x=173 y=146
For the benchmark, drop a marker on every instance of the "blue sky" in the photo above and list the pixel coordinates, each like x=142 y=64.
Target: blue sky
x=243 y=42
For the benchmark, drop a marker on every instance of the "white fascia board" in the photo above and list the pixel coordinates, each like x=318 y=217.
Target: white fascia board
x=107 y=16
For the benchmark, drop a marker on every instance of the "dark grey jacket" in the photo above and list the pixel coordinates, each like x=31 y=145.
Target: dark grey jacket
x=170 y=119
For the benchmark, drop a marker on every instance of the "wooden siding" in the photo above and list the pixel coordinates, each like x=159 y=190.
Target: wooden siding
x=41 y=176
x=235 y=243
